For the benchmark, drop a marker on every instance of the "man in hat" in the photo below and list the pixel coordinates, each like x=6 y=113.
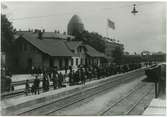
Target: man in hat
x=27 y=87
x=55 y=78
x=8 y=83
x=36 y=84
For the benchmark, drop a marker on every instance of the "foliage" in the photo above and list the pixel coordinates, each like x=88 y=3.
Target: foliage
x=93 y=39
x=7 y=34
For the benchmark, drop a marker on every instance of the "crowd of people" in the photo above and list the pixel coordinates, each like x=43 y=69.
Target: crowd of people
x=51 y=77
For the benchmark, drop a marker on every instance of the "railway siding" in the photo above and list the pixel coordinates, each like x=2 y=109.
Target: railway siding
x=127 y=104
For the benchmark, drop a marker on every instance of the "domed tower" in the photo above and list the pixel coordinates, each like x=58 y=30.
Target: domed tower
x=75 y=25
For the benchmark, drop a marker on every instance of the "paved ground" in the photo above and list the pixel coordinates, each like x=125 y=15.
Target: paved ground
x=157 y=107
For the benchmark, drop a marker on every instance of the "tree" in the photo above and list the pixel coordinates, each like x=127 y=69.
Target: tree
x=117 y=55
x=93 y=39
x=7 y=34
x=7 y=43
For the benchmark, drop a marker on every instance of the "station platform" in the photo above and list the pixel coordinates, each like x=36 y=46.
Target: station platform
x=157 y=107
x=16 y=103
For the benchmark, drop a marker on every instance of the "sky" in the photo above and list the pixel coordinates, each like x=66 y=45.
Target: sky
x=143 y=31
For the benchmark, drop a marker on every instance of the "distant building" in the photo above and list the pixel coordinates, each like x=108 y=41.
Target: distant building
x=110 y=47
x=154 y=56
x=75 y=25
x=43 y=50
x=144 y=53
x=158 y=53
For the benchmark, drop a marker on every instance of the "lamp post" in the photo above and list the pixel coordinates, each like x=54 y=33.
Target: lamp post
x=134 y=11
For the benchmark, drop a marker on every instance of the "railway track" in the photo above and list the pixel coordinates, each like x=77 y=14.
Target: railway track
x=47 y=108
x=126 y=104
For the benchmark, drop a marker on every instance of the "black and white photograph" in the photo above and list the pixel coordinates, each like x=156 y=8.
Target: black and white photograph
x=87 y=58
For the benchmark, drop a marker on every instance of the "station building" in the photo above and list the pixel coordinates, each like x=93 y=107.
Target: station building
x=49 y=49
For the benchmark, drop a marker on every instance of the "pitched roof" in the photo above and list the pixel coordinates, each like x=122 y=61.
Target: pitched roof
x=55 y=47
x=90 y=50
x=51 y=47
x=72 y=45
x=93 y=52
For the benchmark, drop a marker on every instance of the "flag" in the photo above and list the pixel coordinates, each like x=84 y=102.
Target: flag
x=111 y=24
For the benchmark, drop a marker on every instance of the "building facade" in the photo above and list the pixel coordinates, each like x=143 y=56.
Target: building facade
x=110 y=47
x=44 y=52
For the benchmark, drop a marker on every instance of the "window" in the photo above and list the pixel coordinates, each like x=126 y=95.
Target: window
x=76 y=61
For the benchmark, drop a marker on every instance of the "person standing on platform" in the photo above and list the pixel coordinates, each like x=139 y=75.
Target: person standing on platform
x=47 y=83
x=8 y=83
x=36 y=84
x=49 y=72
x=27 y=87
x=76 y=77
x=44 y=83
x=86 y=73
x=79 y=75
x=98 y=72
x=55 y=78
x=61 y=79
x=70 y=75
x=83 y=80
